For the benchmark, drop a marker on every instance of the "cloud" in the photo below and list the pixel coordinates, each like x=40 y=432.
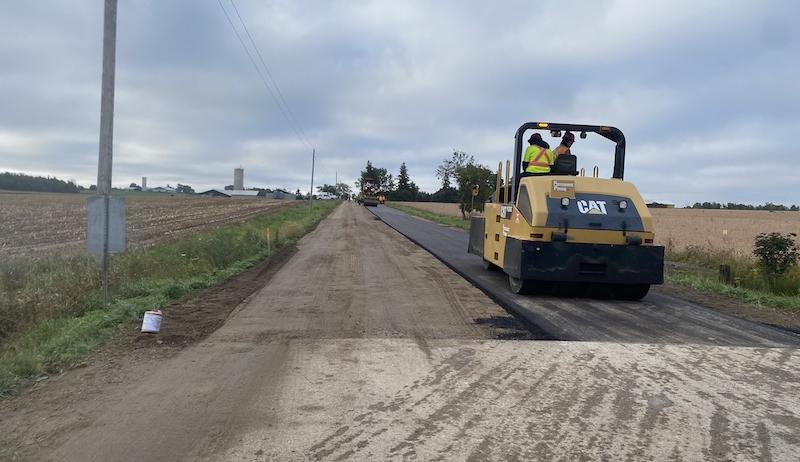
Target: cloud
x=705 y=91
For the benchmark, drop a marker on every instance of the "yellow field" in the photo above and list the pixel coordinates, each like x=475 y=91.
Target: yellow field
x=720 y=229
x=679 y=228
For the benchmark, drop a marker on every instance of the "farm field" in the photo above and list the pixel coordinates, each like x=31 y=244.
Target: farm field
x=679 y=228
x=36 y=222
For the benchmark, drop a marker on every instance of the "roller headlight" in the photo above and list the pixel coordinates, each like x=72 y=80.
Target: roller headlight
x=623 y=205
x=565 y=201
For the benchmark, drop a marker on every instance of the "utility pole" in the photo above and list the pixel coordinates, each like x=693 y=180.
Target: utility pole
x=311 y=193
x=336 y=185
x=107 y=127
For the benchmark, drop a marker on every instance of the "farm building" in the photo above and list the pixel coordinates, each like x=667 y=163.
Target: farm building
x=659 y=205
x=282 y=194
x=263 y=193
x=162 y=189
x=233 y=193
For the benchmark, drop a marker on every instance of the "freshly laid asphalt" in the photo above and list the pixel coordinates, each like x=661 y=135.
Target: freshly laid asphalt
x=656 y=319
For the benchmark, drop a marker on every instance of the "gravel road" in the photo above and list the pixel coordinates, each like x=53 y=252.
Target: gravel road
x=365 y=347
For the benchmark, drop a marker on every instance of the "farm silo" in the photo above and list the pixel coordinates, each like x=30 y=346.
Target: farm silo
x=238 y=179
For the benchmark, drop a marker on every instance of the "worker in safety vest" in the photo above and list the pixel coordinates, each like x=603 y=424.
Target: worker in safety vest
x=566 y=142
x=538 y=157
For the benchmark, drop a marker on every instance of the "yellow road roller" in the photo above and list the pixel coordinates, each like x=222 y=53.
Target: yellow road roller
x=565 y=231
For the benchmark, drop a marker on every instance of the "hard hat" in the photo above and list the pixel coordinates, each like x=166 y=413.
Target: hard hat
x=535 y=136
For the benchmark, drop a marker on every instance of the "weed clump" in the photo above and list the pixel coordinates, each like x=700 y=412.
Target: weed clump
x=772 y=269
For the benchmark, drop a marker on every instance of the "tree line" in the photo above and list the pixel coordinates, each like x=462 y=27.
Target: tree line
x=22 y=182
x=463 y=181
x=734 y=206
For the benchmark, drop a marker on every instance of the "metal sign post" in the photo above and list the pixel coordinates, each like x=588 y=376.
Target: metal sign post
x=107 y=127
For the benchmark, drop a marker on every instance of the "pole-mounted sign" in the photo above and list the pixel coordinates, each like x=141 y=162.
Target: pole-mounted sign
x=106 y=215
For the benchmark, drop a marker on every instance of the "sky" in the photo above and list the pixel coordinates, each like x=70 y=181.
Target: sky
x=706 y=92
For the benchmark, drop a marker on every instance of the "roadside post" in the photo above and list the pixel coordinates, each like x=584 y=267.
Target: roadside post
x=106 y=215
x=475 y=189
x=311 y=192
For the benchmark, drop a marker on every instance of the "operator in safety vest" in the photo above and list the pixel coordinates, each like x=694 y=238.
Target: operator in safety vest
x=566 y=142
x=538 y=157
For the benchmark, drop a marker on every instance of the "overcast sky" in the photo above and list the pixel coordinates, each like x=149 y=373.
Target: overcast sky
x=707 y=93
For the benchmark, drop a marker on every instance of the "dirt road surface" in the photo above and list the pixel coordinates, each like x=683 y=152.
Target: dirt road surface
x=365 y=347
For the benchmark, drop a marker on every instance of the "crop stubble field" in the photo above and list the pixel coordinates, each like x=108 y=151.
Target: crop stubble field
x=679 y=228
x=35 y=222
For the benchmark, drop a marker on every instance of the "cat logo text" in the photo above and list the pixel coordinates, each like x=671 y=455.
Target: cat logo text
x=592 y=207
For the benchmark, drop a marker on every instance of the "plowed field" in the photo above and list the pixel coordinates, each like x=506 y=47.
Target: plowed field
x=34 y=222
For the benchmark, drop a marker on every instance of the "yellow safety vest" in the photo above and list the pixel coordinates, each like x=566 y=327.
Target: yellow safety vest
x=539 y=159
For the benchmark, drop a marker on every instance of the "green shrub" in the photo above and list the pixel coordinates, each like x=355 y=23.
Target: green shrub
x=776 y=252
x=744 y=272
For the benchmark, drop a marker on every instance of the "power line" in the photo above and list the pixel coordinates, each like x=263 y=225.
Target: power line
x=297 y=132
x=269 y=74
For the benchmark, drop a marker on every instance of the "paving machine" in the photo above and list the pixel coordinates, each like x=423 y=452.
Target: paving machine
x=565 y=231
x=369 y=193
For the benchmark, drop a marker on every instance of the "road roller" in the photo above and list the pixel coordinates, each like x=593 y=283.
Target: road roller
x=565 y=230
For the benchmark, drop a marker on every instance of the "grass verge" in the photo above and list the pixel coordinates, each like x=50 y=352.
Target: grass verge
x=51 y=309
x=436 y=217
x=708 y=282
x=698 y=271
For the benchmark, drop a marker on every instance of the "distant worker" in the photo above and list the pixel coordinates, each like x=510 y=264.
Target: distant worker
x=566 y=142
x=538 y=157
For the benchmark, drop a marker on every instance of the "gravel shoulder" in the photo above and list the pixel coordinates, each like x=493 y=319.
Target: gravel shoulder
x=365 y=347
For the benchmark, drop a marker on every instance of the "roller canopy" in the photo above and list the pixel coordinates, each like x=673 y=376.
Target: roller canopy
x=612 y=133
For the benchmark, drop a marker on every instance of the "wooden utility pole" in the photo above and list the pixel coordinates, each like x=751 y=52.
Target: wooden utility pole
x=311 y=193
x=107 y=126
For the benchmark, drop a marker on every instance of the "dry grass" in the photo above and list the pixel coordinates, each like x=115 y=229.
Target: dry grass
x=678 y=229
x=436 y=207
x=33 y=222
x=719 y=230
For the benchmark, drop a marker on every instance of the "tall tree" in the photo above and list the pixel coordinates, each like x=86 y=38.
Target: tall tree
x=380 y=177
x=443 y=174
x=470 y=177
x=343 y=190
x=402 y=178
x=406 y=189
x=447 y=171
x=327 y=188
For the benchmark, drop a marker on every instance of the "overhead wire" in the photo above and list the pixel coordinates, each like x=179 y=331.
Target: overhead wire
x=279 y=101
x=269 y=74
